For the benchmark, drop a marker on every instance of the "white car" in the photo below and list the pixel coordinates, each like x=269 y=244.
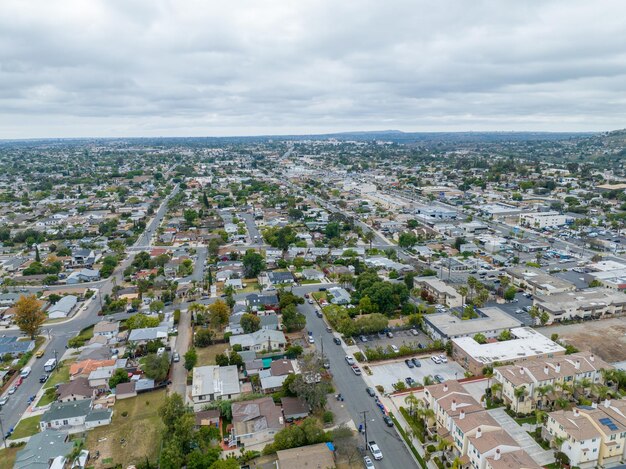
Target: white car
x=414 y=332
x=435 y=359
x=311 y=340
x=368 y=462
x=350 y=360
x=443 y=359
x=395 y=348
x=376 y=452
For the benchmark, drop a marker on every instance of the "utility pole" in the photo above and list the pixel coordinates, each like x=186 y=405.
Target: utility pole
x=3 y=435
x=55 y=358
x=365 y=412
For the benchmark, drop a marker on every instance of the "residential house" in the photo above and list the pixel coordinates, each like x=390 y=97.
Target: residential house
x=12 y=346
x=43 y=449
x=262 y=302
x=73 y=416
x=107 y=329
x=82 y=275
x=76 y=390
x=339 y=296
x=84 y=368
x=62 y=308
x=99 y=378
x=260 y=341
x=256 y=422
x=146 y=334
x=279 y=278
x=214 y=383
x=294 y=408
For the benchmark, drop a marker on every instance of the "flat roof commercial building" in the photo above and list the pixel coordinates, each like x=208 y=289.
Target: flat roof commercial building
x=538 y=282
x=526 y=344
x=491 y=322
x=593 y=303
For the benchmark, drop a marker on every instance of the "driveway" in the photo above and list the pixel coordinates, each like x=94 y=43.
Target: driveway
x=526 y=442
x=179 y=373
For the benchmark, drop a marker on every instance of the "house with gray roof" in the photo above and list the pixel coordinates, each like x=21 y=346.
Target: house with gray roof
x=14 y=347
x=62 y=308
x=260 y=341
x=214 y=383
x=280 y=278
x=43 y=448
x=82 y=275
x=340 y=296
x=146 y=334
x=74 y=416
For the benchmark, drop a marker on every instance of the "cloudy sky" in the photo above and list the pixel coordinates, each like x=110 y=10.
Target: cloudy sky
x=204 y=67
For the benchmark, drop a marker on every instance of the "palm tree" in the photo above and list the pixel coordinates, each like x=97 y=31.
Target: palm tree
x=562 y=402
x=428 y=380
x=601 y=391
x=540 y=416
x=369 y=236
x=496 y=388
x=519 y=393
x=463 y=291
x=412 y=402
x=542 y=391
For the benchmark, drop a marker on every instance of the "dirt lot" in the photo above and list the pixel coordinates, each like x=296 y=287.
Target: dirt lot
x=606 y=338
x=129 y=439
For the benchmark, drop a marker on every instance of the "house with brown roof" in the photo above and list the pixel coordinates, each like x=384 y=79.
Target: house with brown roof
x=256 y=422
x=294 y=408
x=76 y=390
x=125 y=390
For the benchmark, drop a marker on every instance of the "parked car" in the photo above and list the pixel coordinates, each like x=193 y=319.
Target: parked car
x=414 y=332
x=363 y=338
x=356 y=370
x=12 y=390
x=311 y=340
x=390 y=334
x=416 y=362
x=39 y=354
x=43 y=378
x=350 y=360
x=388 y=420
x=439 y=378
x=409 y=363
x=370 y=391
x=3 y=401
x=443 y=359
x=435 y=358
x=310 y=301
x=368 y=463
x=337 y=340
x=395 y=348
x=409 y=381
x=176 y=357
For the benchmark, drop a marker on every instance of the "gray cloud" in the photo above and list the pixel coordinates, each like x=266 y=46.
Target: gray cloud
x=165 y=67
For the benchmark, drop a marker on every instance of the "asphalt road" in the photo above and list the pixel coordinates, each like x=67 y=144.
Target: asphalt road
x=352 y=387
x=60 y=333
x=253 y=230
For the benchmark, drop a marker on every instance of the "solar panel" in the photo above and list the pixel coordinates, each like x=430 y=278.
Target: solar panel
x=605 y=421
x=612 y=426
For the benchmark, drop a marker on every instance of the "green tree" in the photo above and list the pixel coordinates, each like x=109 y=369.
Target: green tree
x=119 y=376
x=253 y=263
x=250 y=323
x=140 y=321
x=480 y=338
x=191 y=358
x=406 y=240
x=292 y=319
x=203 y=338
x=156 y=367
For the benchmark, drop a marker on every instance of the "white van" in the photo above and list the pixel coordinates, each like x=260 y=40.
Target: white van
x=50 y=365
x=25 y=372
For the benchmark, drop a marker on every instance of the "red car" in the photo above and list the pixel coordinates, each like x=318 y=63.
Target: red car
x=19 y=381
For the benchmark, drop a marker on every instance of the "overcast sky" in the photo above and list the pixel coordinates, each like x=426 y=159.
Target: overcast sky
x=179 y=68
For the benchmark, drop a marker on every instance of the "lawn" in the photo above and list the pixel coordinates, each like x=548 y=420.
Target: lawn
x=251 y=286
x=131 y=439
x=206 y=355
x=60 y=375
x=7 y=457
x=48 y=397
x=319 y=295
x=26 y=427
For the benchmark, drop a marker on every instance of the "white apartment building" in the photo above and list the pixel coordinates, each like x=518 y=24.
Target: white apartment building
x=542 y=219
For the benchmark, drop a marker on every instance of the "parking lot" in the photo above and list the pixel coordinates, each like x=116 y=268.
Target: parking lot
x=389 y=373
x=400 y=337
x=511 y=308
